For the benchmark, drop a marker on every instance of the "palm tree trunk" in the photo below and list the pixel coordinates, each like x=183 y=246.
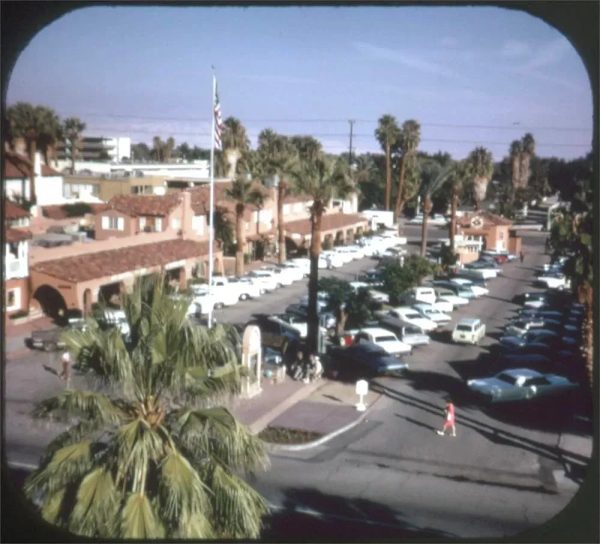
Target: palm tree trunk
x=399 y=202
x=239 y=251
x=453 y=206
x=388 y=177
x=312 y=337
x=426 y=212
x=280 y=229
x=32 y=153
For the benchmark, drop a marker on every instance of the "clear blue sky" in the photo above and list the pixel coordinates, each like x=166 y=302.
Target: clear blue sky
x=469 y=75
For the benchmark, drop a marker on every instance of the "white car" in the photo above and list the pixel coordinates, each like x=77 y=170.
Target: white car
x=384 y=339
x=376 y=295
x=246 y=288
x=295 y=273
x=303 y=263
x=355 y=251
x=437 y=219
x=478 y=290
x=486 y=269
x=468 y=330
x=416 y=220
x=520 y=384
x=448 y=296
x=330 y=259
x=428 y=311
x=281 y=276
x=409 y=315
x=294 y=322
x=266 y=280
x=443 y=306
x=345 y=256
x=553 y=280
x=220 y=295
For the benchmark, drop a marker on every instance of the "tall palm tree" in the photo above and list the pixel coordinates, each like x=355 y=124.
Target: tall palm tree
x=321 y=179
x=309 y=149
x=151 y=454
x=244 y=194
x=72 y=129
x=482 y=167
x=406 y=147
x=387 y=133
x=168 y=148
x=459 y=176
x=38 y=126
x=158 y=148
x=528 y=150
x=235 y=144
x=278 y=158
x=436 y=176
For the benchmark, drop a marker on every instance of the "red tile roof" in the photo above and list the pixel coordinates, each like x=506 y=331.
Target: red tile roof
x=136 y=205
x=17 y=235
x=56 y=211
x=329 y=222
x=489 y=219
x=117 y=261
x=19 y=166
x=13 y=211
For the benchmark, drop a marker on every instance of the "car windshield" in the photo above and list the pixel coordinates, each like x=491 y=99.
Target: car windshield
x=506 y=378
x=385 y=339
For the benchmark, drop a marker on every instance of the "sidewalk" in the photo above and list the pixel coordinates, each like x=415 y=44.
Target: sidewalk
x=325 y=407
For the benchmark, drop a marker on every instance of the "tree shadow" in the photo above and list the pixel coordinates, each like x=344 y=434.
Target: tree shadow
x=311 y=515
x=525 y=415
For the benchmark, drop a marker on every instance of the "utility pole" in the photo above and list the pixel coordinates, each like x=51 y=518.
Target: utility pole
x=351 y=121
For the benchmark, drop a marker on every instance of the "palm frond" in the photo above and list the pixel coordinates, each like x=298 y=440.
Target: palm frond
x=183 y=495
x=237 y=508
x=97 y=504
x=138 y=519
x=51 y=508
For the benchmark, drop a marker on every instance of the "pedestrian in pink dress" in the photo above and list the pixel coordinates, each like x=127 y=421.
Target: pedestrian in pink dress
x=449 y=420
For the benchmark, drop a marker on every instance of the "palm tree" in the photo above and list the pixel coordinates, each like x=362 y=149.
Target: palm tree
x=278 y=159
x=169 y=146
x=72 y=129
x=387 y=133
x=309 y=149
x=321 y=179
x=157 y=148
x=242 y=192
x=458 y=179
x=151 y=455
x=407 y=144
x=38 y=126
x=528 y=150
x=235 y=144
x=436 y=177
x=481 y=167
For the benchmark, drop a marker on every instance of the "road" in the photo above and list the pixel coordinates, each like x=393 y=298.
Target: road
x=392 y=476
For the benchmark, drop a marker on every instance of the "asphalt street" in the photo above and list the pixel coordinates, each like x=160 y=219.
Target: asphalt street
x=392 y=476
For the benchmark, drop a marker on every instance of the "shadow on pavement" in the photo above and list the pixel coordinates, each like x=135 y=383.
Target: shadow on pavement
x=310 y=515
x=524 y=414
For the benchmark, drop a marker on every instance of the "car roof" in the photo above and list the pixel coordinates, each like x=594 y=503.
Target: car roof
x=524 y=372
x=469 y=321
x=375 y=330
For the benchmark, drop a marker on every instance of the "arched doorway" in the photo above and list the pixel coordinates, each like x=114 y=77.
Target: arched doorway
x=51 y=301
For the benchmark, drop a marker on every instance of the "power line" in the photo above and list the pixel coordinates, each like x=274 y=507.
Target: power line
x=319 y=120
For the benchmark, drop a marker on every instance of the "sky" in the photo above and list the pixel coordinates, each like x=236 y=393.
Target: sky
x=470 y=75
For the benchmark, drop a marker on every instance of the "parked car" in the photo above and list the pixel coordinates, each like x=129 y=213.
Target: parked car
x=553 y=280
x=376 y=295
x=384 y=339
x=303 y=263
x=468 y=330
x=222 y=295
x=478 y=290
x=411 y=335
x=485 y=269
x=294 y=321
x=520 y=384
x=372 y=277
x=450 y=297
x=276 y=334
x=293 y=272
x=50 y=339
x=458 y=290
x=329 y=260
x=543 y=336
x=363 y=360
x=406 y=315
x=354 y=251
x=535 y=299
x=326 y=319
x=266 y=280
x=245 y=287
x=428 y=311
x=282 y=277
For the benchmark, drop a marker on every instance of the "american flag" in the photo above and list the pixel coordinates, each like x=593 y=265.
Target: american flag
x=218 y=121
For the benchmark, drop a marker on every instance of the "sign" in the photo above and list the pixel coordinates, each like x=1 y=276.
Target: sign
x=362 y=387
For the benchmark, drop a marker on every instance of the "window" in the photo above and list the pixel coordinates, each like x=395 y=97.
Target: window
x=142 y=222
x=175 y=224
x=158 y=224
x=113 y=223
x=13 y=299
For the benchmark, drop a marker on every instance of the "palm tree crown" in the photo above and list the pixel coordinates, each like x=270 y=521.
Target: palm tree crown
x=482 y=167
x=151 y=455
x=387 y=134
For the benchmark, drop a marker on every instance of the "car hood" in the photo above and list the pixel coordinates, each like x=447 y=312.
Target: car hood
x=394 y=346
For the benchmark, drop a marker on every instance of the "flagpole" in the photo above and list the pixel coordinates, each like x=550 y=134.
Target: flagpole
x=211 y=234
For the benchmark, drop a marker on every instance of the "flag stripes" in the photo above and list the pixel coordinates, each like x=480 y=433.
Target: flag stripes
x=218 y=121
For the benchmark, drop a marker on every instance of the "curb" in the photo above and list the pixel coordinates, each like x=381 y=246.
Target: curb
x=274 y=448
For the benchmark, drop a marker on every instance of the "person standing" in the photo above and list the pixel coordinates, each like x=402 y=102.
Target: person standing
x=449 y=420
x=521 y=256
